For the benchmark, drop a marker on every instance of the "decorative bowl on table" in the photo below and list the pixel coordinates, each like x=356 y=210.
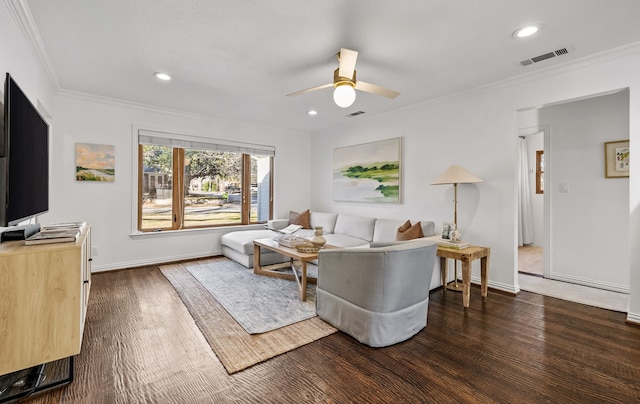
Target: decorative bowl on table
x=308 y=248
x=290 y=241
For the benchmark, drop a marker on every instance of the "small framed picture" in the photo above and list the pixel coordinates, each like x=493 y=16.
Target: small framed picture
x=616 y=159
x=446 y=230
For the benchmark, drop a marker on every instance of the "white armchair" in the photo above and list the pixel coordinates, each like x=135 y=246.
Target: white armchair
x=378 y=295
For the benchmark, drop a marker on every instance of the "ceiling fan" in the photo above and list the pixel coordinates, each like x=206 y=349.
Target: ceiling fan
x=345 y=83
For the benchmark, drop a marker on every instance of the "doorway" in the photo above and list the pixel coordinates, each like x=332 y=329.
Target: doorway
x=531 y=219
x=580 y=203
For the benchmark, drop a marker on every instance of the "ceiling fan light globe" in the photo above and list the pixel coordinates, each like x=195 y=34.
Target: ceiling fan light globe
x=344 y=96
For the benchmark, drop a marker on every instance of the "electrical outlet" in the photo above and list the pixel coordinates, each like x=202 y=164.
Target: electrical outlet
x=94 y=250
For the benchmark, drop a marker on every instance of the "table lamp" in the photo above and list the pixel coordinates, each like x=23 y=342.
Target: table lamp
x=455 y=175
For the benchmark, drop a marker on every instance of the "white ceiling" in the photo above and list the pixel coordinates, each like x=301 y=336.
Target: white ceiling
x=238 y=59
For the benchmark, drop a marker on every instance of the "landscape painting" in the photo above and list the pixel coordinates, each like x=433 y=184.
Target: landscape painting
x=95 y=162
x=368 y=172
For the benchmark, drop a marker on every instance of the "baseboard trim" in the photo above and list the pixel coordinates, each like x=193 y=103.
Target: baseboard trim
x=152 y=261
x=503 y=287
x=633 y=318
x=589 y=282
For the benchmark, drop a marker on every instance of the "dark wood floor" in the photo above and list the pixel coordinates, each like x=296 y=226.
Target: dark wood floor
x=142 y=346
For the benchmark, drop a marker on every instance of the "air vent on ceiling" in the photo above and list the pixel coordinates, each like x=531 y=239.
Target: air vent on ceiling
x=356 y=113
x=548 y=55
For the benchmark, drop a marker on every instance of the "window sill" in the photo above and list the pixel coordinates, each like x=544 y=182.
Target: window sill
x=136 y=235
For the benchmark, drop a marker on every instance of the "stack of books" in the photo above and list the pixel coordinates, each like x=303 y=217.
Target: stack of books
x=56 y=233
x=64 y=226
x=450 y=244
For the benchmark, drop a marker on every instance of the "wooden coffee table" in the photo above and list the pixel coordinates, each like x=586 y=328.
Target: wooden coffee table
x=292 y=253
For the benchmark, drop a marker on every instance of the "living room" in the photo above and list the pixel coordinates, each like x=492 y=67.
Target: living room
x=475 y=127
x=303 y=178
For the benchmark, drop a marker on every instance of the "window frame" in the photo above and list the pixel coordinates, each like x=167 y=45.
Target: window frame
x=175 y=141
x=540 y=172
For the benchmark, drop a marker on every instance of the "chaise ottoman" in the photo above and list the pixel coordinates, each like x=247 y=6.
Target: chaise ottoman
x=238 y=246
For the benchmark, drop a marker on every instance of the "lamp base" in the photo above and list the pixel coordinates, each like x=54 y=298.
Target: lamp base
x=455 y=286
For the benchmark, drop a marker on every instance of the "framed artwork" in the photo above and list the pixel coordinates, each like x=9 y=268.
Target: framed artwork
x=95 y=162
x=368 y=172
x=446 y=230
x=616 y=159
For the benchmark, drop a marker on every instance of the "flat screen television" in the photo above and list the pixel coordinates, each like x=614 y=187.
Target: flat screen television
x=24 y=158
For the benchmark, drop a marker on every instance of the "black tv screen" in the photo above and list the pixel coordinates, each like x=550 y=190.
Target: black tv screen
x=24 y=155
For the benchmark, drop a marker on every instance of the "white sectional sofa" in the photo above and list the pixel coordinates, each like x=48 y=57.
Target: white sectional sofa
x=339 y=229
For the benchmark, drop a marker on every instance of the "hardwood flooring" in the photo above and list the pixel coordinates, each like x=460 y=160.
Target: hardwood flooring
x=142 y=346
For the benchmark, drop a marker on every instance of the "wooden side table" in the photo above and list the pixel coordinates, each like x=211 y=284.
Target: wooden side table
x=466 y=256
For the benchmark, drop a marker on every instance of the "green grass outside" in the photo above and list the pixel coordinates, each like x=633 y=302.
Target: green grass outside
x=163 y=220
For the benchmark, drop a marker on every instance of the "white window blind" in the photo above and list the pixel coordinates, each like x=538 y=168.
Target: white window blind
x=185 y=142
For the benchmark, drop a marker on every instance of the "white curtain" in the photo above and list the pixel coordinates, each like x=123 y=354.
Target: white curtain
x=525 y=217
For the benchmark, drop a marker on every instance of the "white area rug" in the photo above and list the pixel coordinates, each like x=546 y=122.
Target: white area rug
x=258 y=303
x=604 y=299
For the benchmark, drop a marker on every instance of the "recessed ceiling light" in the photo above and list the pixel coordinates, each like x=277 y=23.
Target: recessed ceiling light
x=526 y=31
x=162 y=76
x=312 y=112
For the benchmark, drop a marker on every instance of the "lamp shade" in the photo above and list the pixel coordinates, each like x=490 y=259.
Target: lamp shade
x=456 y=175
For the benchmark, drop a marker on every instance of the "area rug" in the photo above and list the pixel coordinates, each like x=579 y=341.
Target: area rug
x=258 y=303
x=236 y=348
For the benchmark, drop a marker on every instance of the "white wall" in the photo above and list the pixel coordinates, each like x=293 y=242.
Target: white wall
x=109 y=207
x=435 y=137
x=478 y=130
x=17 y=58
x=588 y=219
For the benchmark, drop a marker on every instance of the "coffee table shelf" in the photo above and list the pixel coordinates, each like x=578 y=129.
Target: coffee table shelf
x=293 y=254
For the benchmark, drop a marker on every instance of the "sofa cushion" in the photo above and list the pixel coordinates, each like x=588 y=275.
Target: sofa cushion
x=355 y=226
x=386 y=229
x=303 y=219
x=410 y=233
x=326 y=220
x=428 y=228
x=344 y=241
x=242 y=241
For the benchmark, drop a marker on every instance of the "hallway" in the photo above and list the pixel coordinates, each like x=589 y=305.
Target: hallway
x=530 y=270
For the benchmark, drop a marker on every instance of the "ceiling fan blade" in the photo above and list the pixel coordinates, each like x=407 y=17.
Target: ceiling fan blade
x=377 y=90
x=348 y=59
x=311 y=89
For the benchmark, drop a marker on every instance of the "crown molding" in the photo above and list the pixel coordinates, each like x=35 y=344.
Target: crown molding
x=580 y=63
x=21 y=15
x=128 y=104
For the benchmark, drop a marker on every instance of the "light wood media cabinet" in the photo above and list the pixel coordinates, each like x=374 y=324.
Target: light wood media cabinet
x=44 y=290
